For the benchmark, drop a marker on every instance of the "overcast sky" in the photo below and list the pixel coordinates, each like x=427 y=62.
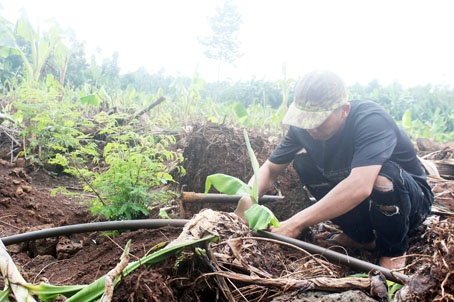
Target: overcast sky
x=406 y=41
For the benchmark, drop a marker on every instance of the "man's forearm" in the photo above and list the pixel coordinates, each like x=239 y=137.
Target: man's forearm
x=336 y=203
x=264 y=182
x=267 y=176
x=345 y=196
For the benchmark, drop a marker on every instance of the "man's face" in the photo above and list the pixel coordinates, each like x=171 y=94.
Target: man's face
x=333 y=124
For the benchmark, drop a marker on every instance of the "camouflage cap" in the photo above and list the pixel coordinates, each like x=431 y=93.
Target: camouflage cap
x=317 y=95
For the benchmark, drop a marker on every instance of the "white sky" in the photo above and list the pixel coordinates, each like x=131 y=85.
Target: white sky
x=407 y=41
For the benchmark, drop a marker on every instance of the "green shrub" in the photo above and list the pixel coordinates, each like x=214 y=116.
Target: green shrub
x=134 y=179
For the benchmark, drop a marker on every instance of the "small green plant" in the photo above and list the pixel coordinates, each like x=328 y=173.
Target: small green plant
x=130 y=185
x=258 y=216
x=393 y=288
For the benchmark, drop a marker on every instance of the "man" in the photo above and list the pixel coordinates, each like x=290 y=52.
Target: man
x=358 y=164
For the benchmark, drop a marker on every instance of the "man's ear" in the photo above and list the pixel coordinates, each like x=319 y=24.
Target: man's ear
x=346 y=109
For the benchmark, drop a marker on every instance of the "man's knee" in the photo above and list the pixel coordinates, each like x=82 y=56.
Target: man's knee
x=384 y=198
x=383 y=184
x=390 y=178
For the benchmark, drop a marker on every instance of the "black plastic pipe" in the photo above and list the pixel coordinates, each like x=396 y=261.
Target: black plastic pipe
x=331 y=255
x=336 y=257
x=93 y=227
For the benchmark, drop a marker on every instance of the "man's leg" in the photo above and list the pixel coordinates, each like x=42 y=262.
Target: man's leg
x=357 y=228
x=397 y=205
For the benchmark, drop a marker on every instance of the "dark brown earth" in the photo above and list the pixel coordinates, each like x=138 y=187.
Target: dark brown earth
x=26 y=204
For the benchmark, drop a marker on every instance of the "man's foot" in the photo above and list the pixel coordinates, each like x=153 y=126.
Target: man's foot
x=396 y=264
x=345 y=241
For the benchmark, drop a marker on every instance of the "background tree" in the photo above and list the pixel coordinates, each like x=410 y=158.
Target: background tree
x=77 y=68
x=110 y=70
x=223 y=45
x=37 y=49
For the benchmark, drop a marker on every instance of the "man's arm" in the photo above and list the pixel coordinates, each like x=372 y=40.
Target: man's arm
x=342 y=198
x=267 y=176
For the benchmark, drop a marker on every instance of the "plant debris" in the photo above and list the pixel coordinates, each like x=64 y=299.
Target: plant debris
x=433 y=263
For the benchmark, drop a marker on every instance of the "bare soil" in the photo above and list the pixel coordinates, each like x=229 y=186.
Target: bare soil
x=26 y=204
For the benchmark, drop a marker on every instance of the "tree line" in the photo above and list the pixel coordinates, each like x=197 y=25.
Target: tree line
x=28 y=55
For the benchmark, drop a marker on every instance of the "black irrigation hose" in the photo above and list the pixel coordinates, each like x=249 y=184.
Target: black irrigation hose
x=93 y=227
x=331 y=255
x=336 y=257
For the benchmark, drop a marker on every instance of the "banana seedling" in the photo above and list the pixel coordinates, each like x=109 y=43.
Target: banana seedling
x=257 y=216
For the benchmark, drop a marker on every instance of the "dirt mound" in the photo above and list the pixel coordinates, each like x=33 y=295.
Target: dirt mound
x=214 y=148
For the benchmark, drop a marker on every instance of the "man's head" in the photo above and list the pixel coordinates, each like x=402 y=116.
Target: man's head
x=317 y=95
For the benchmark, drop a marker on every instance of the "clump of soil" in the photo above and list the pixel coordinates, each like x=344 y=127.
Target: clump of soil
x=26 y=201
x=214 y=148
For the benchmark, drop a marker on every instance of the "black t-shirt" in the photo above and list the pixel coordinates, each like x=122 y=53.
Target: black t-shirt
x=370 y=137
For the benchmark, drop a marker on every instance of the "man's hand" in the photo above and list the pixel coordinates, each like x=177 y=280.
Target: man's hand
x=243 y=204
x=286 y=228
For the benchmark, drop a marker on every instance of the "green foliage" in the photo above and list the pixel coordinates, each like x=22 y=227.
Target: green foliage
x=255 y=168
x=132 y=182
x=163 y=214
x=64 y=191
x=286 y=85
x=27 y=53
x=96 y=289
x=429 y=108
x=4 y=295
x=260 y=217
x=436 y=128
x=192 y=103
x=76 y=65
x=91 y=99
x=393 y=288
x=127 y=173
x=40 y=47
x=50 y=121
x=188 y=101
x=49 y=292
x=260 y=118
x=86 y=293
x=249 y=93
x=10 y=63
x=240 y=111
x=227 y=184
